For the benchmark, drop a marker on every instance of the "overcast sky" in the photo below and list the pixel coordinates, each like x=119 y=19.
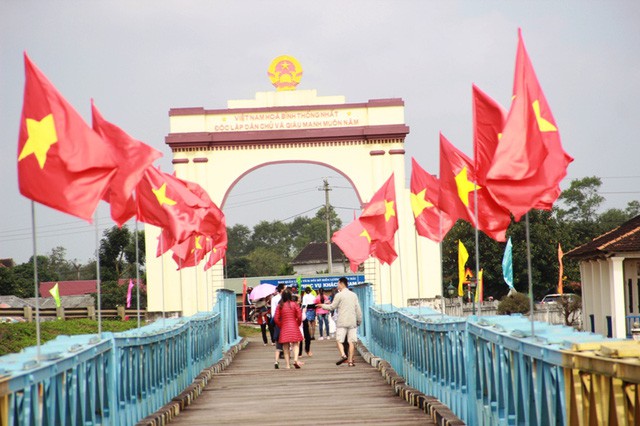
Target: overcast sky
x=138 y=59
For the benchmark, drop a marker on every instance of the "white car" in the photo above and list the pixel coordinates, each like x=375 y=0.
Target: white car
x=552 y=299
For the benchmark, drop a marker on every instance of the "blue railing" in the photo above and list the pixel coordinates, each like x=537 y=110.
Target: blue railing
x=488 y=370
x=116 y=380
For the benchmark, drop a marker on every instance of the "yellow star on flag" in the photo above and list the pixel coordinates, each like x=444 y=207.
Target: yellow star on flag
x=42 y=134
x=543 y=125
x=389 y=210
x=161 y=195
x=419 y=202
x=465 y=186
x=366 y=235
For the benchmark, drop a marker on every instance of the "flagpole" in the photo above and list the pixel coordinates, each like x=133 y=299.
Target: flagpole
x=98 y=277
x=403 y=300
x=206 y=283
x=137 y=273
x=529 y=274
x=35 y=277
x=181 y=286
x=195 y=268
x=418 y=272
x=475 y=208
x=162 y=276
x=390 y=287
x=444 y=304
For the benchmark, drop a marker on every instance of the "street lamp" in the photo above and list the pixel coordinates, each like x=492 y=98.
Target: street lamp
x=472 y=294
x=451 y=290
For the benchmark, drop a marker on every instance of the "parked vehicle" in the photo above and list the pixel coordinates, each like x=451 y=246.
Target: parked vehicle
x=552 y=299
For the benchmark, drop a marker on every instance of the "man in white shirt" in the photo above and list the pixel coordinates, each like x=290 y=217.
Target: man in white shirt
x=349 y=318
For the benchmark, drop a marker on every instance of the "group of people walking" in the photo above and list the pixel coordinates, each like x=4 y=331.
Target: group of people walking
x=293 y=321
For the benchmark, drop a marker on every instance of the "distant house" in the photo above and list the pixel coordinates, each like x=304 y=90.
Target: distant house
x=610 y=275
x=14 y=302
x=313 y=258
x=69 y=288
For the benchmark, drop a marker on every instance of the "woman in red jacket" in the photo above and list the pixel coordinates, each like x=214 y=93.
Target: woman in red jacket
x=288 y=318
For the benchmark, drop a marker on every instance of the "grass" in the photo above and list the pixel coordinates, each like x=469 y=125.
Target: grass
x=248 y=330
x=17 y=336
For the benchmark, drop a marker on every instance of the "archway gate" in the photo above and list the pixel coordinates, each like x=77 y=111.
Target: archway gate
x=364 y=142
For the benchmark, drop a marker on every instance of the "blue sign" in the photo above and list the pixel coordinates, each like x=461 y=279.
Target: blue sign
x=315 y=283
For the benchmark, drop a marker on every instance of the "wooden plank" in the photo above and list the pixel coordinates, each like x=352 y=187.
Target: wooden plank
x=251 y=391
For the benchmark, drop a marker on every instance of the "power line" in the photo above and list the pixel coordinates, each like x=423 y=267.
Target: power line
x=271 y=188
x=299 y=214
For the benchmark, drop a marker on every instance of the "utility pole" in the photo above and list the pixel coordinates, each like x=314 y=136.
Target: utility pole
x=326 y=190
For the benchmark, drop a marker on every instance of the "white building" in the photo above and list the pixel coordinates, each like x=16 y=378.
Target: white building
x=313 y=260
x=610 y=276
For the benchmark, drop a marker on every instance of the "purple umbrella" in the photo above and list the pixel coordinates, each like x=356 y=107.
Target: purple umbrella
x=263 y=290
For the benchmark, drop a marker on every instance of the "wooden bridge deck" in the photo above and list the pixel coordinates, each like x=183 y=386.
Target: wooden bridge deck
x=251 y=391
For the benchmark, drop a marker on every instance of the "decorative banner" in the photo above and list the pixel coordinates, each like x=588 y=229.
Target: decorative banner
x=507 y=264
x=480 y=287
x=561 y=271
x=244 y=299
x=55 y=292
x=129 y=293
x=463 y=255
x=316 y=283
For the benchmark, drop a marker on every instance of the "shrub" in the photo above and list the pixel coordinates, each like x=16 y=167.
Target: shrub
x=516 y=303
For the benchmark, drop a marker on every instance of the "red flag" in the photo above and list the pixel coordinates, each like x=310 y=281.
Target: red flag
x=457 y=184
x=212 y=221
x=384 y=251
x=133 y=158
x=430 y=221
x=191 y=251
x=62 y=163
x=488 y=122
x=380 y=217
x=219 y=247
x=529 y=162
x=522 y=149
x=217 y=253
x=163 y=200
x=355 y=243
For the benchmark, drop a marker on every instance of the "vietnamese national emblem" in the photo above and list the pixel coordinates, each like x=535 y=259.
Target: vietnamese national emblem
x=285 y=72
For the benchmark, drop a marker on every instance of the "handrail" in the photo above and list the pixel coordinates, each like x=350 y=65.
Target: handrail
x=116 y=380
x=489 y=370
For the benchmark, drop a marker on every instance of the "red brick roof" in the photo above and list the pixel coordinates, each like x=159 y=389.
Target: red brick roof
x=317 y=253
x=624 y=238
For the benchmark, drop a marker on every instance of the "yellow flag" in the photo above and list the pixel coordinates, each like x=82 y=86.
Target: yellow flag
x=463 y=255
x=55 y=292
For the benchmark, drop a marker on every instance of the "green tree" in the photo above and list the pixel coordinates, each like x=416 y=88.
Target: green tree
x=7 y=281
x=274 y=236
x=113 y=295
x=239 y=241
x=265 y=261
x=581 y=200
x=117 y=253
